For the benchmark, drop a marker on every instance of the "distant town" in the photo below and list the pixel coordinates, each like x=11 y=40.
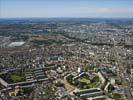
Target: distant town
x=66 y=59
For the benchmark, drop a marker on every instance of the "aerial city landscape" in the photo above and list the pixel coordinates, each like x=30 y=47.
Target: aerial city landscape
x=66 y=58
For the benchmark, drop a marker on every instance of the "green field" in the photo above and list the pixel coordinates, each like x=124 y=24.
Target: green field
x=17 y=78
x=14 y=77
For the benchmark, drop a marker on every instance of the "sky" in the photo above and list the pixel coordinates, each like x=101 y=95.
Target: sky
x=66 y=8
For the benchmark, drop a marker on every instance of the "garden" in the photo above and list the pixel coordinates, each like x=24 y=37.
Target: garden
x=84 y=82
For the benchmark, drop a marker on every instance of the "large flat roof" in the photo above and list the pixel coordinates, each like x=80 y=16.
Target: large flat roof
x=14 y=44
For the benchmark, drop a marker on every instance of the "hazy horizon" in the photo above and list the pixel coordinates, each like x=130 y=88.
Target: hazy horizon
x=66 y=9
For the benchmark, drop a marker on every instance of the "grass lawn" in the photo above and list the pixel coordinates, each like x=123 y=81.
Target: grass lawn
x=17 y=78
x=14 y=77
x=85 y=81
